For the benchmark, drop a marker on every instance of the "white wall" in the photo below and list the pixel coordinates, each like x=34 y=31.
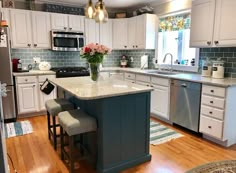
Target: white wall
x=172 y=6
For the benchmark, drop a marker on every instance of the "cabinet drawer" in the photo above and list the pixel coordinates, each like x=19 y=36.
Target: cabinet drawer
x=211 y=127
x=26 y=79
x=130 y=76
x=212 y=112
x=44 y=77
x=143 y=78
x=213 y=101
x=160 y=81
x=143 y=83
x=213 y=91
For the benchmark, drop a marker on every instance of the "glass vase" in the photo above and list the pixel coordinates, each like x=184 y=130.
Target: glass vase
x=94 y=71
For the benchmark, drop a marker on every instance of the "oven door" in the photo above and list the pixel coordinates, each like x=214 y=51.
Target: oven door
x=67 y=42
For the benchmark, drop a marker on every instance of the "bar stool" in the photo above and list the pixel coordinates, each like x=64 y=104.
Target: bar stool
x=54 y=107
x=72 y=123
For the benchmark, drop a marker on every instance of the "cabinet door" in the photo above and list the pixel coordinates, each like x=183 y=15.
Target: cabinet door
x=59 y=21
x=132 y=34
x=141 y=31
x=21 y=28
x=106 y=33
x=202 y=23
x=44 y=97
x=41 y=29
x=76 y=23
x=160 y=101
x=114 y=75
x=225 y=23
x=120 y=34
x=27 y=98
x=92 y=31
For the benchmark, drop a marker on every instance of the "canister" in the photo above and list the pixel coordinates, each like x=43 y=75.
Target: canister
x=218 y=69
x=206 y=68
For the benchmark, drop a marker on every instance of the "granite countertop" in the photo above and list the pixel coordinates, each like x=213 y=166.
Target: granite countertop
x=34 y=72
x=86 y=89
x=193 y=77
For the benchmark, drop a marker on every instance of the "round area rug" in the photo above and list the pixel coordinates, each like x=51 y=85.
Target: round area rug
x=226 y=166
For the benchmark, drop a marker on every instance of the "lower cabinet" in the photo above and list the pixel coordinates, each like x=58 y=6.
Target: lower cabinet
x=30 y=98
x=116 y=75
x=27 y=98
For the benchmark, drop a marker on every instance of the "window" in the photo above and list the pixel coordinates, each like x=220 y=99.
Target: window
x=174 y=38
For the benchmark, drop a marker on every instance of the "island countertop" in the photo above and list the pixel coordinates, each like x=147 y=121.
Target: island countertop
x=86 y=89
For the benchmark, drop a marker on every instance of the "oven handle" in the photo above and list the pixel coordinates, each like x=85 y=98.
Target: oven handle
x=66 y=36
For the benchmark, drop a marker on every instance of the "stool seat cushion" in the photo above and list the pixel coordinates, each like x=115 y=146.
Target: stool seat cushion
x=76 y=122
x=55 y=106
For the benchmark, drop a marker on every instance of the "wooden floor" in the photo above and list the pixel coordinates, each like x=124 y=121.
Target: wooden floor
x=33 y=153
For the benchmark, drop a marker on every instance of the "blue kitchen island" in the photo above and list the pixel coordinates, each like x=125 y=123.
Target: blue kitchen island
x=122 y=110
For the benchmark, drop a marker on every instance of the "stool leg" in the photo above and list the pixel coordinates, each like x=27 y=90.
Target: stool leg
x=62 y=142
x=71 y=146
x=49 y=125
x=81 y=143
x=54 y=132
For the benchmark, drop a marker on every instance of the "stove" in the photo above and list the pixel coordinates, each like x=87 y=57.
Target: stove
x=62 y=72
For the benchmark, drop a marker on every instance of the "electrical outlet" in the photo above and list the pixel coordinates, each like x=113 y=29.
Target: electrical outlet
x=36 y=60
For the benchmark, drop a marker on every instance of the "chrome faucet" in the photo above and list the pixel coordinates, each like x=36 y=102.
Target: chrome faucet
x=171 y=56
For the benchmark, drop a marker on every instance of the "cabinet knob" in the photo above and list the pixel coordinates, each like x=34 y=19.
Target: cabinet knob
x=212 y=91
x=70 y=28
x=209 y=127
x=29 y=45
x=34 y=85
x=125 y=46
x=148 y=85
x=26 y=80
x=211 y=102
x=210 y=112
x=216 y=42
x=136 y=46
x=133 y=46
x=65 y=28
x=133 y=82
x=152 y=86
x=35 y=45
x=209 y=43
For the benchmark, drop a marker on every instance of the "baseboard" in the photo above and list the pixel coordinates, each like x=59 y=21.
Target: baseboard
x=33 y=114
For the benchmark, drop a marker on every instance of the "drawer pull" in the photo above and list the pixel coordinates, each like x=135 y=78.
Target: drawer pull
x=212 y=91
x=148 y=85
x=209 y=127
x=133 y=82
x=26 y=80
x=211 y=102
x=210 y=112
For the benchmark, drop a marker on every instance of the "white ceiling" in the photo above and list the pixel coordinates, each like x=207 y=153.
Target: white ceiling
x=108 y=3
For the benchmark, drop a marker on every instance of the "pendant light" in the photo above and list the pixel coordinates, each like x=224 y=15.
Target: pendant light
x=101 y=15
x=89 y=10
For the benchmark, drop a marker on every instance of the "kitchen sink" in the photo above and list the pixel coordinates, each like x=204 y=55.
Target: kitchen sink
x=160 y=72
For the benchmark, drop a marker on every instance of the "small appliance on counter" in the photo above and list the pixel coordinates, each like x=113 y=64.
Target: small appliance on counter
x=218 y=69
x=44 y=66
x=17 y=65
x=206 y=68
x=144 y=61
x=124 y=61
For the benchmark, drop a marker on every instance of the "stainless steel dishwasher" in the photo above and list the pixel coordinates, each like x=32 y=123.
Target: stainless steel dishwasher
x=185 y=104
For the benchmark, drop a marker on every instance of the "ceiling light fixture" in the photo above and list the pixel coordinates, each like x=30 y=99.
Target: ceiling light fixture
x=99 y=14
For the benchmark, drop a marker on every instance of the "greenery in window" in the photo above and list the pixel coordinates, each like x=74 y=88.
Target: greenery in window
x=174 y=37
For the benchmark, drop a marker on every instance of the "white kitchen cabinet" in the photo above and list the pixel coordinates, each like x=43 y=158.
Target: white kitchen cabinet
x=213 y=23
x=142 y=31
x=59 y=21
x=27 y=98
x=116 y=75
x=120 y=34
x=91 y=31
x=106 y=33
x=21 y=28
x=130 y=77
x=76 y=23
x=41 y=29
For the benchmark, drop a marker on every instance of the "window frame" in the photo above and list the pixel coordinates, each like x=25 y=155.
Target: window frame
x=178 y=67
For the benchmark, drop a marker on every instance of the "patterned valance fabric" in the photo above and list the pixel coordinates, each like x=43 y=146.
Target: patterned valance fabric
x=175 y=23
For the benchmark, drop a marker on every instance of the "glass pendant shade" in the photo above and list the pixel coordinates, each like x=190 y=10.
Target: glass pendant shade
x=101 y=15
x=89 y=10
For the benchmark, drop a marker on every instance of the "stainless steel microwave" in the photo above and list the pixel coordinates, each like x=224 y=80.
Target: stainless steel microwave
x=67 y=41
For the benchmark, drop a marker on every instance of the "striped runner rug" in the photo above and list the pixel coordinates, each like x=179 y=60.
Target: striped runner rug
x=18 y=128
x=160 y=134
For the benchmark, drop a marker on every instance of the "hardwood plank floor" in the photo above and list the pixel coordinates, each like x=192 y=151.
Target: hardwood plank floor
x=33 y=153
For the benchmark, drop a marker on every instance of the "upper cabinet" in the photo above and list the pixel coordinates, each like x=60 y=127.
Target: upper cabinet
x=6 y=15
x=59 y=21
x=21 y=28
x=67 y=22
x=120 y=34
x=41 y=29
x=135 y=33
x=213 y=23
x=106 y=33
x=91 y=31
x=30 y=29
